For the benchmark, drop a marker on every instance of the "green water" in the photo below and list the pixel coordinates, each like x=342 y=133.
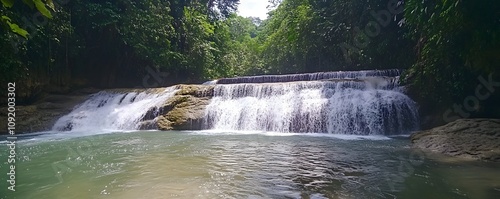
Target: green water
x=224 y=165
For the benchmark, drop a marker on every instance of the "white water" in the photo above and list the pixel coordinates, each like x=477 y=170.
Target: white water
x=113 y=110
x=371 y=107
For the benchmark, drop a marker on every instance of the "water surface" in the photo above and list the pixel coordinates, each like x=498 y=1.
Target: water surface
x=153 y=164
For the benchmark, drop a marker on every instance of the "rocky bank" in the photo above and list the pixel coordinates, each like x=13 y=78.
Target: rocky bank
x=477 y=139
x=42 y=115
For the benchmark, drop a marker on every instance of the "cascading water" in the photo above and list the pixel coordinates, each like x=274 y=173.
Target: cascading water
x=361 y=106
x=114 y=110
x=356 y=103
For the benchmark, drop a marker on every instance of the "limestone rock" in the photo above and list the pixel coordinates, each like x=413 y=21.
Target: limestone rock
x=186 y=109
x=477 y=139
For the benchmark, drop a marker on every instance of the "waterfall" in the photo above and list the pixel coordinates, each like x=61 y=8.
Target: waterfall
x=353 y=102
x=356 y=103
x=114 y=110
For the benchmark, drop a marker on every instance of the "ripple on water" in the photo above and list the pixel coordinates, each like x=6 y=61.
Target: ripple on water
x=186 y=165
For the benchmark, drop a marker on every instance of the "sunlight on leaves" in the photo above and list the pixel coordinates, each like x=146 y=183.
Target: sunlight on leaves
x=40 y=6
x=15 y=28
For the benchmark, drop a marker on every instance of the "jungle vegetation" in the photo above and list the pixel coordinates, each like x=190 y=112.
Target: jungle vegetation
x=61 y=45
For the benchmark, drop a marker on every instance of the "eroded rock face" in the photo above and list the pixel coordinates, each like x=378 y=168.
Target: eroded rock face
x=184 y=111
x=477 y=139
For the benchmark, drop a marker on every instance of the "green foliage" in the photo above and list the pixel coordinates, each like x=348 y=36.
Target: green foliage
x=14 y=27
x=40 y=5
x=8 y=3
x=243 y=46
x=307 y=36
x=457 y=41
x=286 y=33
x=148 y=30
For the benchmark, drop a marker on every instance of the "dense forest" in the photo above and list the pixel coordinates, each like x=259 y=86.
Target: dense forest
x=447 y=47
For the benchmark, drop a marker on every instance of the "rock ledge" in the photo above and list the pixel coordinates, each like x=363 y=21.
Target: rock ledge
x=477 y=139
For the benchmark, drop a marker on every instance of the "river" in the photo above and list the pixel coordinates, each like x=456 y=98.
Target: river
x=239 y=164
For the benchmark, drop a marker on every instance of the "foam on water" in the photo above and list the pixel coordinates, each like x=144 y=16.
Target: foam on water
x=280 y=134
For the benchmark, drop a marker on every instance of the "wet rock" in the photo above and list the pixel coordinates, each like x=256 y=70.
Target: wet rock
x=148 y=125
x=186 y=109
x=477 y=139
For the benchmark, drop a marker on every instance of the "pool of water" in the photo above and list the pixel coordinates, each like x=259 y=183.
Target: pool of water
x=155 y=164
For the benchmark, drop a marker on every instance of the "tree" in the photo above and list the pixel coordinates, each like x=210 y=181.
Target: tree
x=457 y=42
x=308 y=36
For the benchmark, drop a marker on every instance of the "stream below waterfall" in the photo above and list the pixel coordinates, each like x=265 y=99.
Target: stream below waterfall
x=214 y=164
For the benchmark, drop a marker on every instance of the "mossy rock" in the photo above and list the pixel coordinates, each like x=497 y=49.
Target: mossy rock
x=196 y=90
x=186 y=113
x=186 y=109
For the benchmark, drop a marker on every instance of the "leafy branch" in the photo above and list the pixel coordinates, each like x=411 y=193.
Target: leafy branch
x=41 y=6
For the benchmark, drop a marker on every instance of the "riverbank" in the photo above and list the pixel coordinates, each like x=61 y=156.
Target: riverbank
x=473 y=139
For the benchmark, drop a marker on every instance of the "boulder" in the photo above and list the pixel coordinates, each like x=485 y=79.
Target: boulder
x=186 y=109
x=477 y=139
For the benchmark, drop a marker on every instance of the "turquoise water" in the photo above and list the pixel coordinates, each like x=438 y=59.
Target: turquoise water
x=154 y=164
